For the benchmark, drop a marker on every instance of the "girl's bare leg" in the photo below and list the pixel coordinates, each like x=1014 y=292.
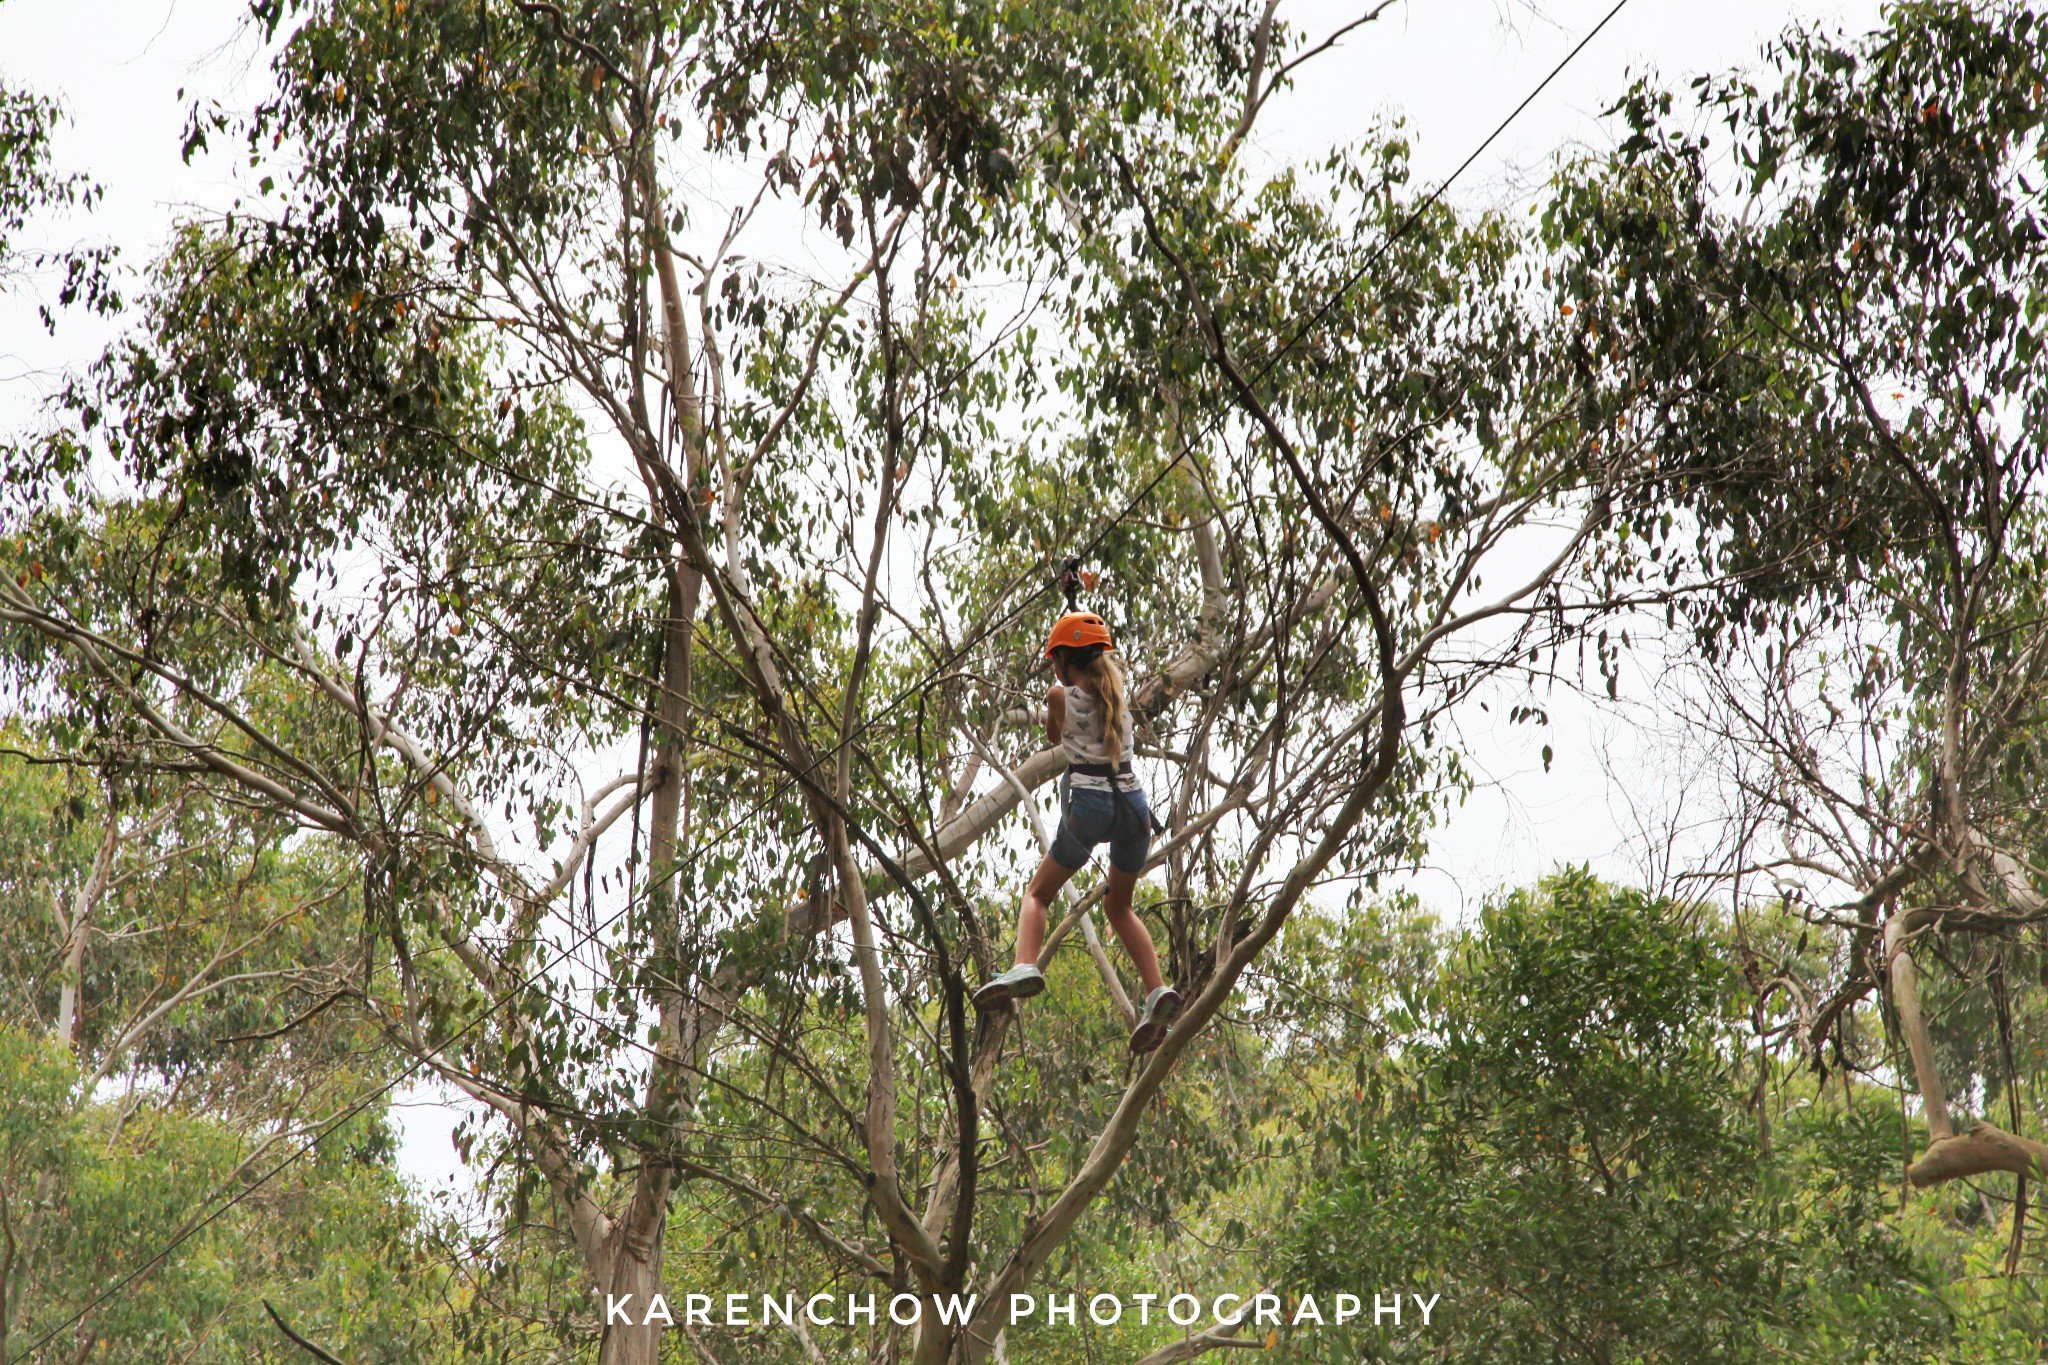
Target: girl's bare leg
x=1136 y=938
x=1038 y=898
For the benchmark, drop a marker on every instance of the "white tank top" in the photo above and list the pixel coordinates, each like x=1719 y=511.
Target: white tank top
x=1082 y=737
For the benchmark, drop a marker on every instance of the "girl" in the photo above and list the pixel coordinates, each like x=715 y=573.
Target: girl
x=1088 y=716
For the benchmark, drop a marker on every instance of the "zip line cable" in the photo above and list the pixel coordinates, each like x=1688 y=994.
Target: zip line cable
x=782 y=786
x=1210 y=427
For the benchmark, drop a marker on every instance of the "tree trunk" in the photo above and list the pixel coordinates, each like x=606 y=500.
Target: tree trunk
x=71 y=995
x=636 y=1258
x=74 y=977
x=1905 y=979
x=1949 y=1156
x=635 y=1271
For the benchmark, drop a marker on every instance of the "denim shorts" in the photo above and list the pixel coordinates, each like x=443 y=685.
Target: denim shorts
x=1122 y=819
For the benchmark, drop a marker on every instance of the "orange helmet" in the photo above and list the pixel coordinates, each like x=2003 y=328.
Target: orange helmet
x=1078 y=630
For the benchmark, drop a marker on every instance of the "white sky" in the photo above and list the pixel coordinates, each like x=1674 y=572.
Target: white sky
x=1453 y=68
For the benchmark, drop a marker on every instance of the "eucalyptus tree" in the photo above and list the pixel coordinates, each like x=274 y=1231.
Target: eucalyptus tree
x=1846 y=260
x=165 y=943
x=88 y=1191
x=650 y=426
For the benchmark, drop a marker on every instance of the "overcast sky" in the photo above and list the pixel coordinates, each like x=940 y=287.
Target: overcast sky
x=1453 y=69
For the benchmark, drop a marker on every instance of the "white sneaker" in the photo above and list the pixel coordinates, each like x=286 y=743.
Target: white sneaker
x=1160 y=1008
x=1021 y=982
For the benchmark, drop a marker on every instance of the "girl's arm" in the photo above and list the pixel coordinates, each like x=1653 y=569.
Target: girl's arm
x=1055 y=713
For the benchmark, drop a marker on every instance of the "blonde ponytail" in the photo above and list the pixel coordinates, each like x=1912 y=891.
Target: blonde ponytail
x=1106 y=684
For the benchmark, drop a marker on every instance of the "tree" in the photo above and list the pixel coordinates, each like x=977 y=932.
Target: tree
x=1860 y=446
x=183 y=1006
x=88 y=1190
x=1561 y=1146
x=476 y=482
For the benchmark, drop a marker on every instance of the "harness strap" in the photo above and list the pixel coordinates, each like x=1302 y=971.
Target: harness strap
x=1116 y=788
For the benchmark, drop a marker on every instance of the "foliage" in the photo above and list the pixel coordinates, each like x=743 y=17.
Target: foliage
x=1562 y=1144
x=498 y=614
x=1851 y=282
x=31 y=185
x=91 y=1191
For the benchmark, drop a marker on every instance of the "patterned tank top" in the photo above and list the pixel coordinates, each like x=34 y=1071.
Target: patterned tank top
x=1083 y=738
